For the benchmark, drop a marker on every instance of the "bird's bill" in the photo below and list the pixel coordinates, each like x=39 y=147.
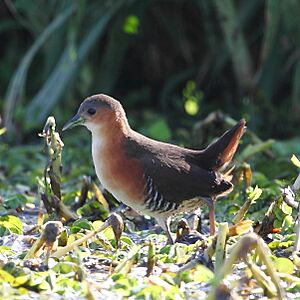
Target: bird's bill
x=75 y=121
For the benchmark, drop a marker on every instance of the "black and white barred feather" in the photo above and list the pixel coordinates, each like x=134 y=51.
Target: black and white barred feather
x=154 y=200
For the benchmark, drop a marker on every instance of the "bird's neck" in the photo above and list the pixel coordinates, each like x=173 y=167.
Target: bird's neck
x=107 y=150
x=110 y=134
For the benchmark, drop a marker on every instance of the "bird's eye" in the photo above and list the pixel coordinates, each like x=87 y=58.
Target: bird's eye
x=91 y=111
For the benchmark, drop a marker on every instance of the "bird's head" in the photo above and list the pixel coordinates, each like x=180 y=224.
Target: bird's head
x=97 y=111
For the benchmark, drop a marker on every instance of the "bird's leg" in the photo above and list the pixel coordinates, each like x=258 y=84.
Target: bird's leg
x=164 y=223
x=211 y=203
x=211 y=215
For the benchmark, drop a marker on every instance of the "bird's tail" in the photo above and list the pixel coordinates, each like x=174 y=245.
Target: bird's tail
x=220 y=153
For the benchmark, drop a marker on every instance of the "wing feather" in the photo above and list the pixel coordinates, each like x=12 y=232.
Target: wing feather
x=173 y=174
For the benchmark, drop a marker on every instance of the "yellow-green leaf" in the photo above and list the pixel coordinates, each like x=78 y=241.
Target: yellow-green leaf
x=131 y=24
x=21 y=280
x=12 y=223
x=191 y=106
x=295 y=161
x=287 y=222
x=284 y=265
x=286 y=209
x=6 y=277
x=2 y=130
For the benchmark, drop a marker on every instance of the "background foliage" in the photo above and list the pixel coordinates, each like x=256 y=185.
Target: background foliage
x=180 y=58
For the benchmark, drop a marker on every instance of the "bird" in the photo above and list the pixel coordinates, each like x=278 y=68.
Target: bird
x=155 y=178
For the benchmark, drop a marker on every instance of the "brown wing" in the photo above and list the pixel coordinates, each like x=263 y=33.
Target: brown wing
x=170 y=176
x=177 y=180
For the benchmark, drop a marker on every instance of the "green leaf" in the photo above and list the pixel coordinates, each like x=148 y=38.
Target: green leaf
x=81 y=224
x=277 y=223
x=254 y=194
x=279 y=244
x=131 y=24
x=284 y=265
x=192 y=98
x=15 y=201
x=91 y=208
x=159 y=289
x=37 y=279
x=6 y=277
x=7 y=251
x=65 y=267
x=200 y=274
x=203 y=274
x=289 y=237
x=280 y=215
x=123 y=284
x=2 y=130
x=127 y=240
x=21 y=280
x=286 y=209
x=287 y=223
x=294 y=288
x=11 y=224
x=295 y=161
x=107 y=233
x=191 y=106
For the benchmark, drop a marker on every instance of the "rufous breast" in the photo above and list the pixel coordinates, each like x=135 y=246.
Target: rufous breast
x=120 y=175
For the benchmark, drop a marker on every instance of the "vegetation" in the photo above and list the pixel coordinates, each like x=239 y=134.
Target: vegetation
x=185 y=71
x=242 y=58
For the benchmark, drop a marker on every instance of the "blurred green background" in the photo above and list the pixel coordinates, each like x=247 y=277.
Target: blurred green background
x=170 y=63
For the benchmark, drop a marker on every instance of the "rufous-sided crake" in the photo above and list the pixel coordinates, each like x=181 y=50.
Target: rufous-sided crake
x=152 y=177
